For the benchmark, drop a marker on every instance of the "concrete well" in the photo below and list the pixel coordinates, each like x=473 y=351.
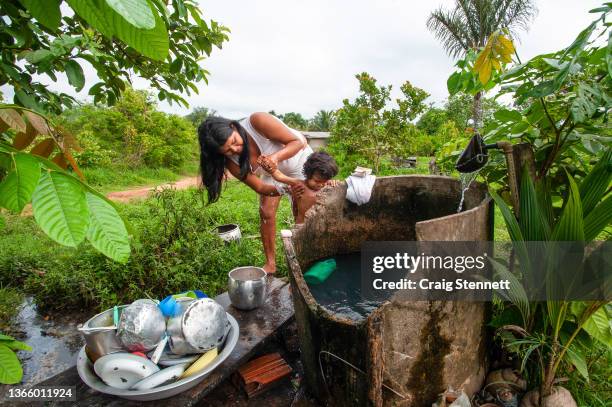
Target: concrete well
x=404 y=353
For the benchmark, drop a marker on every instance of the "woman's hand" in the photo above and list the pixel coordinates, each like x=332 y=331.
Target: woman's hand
x=333 y=182
x=268 y=163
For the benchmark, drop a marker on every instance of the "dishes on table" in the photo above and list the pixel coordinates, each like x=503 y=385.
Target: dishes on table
x=141 y=326
x=166 y=375
x=122 y=370
x=85 y=369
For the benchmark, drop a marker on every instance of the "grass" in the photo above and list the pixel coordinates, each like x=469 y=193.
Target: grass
x=10 y=301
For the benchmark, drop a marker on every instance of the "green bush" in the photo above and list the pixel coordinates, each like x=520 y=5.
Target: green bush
x=131 y=133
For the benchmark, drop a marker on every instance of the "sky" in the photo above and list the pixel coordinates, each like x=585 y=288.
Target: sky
x=302 y=56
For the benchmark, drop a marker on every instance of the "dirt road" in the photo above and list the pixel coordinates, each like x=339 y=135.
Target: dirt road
x=141 y=193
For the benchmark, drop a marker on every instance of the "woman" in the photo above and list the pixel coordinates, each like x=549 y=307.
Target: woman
x=237 y=146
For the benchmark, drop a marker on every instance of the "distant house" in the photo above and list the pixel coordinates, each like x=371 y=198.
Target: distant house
x=316 y=139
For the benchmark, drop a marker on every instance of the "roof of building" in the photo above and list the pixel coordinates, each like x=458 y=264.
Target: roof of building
x=316 y=134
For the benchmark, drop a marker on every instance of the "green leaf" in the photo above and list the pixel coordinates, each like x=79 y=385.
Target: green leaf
x=152 y=43
x=17 y=188
x=106 y=232
x=586 y=102
x=598 y=327
x=136 y=12
x=532 y=220
x=576 y=358
x=570 y=226
x=16 y=345
x=37 y=56
x=505 y=115
x=609 y=55
x=60 y=208
x=47 y=12
x=75 y=74
x=454 y=83
x=594 y=186
x=10 y=367
x=598 y=219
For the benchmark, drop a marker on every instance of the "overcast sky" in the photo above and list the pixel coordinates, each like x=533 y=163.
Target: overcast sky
x=302 y=56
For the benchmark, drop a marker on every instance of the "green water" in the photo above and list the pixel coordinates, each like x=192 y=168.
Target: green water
x=341 y=292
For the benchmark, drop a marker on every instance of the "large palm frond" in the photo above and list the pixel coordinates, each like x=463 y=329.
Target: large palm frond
x=470 y=23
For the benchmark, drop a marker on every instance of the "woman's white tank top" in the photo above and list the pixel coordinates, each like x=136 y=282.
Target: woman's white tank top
x=292 y=166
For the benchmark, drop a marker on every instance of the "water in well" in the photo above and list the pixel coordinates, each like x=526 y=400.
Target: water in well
x=341 y=292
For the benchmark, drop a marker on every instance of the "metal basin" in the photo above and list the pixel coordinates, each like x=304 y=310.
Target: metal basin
x=247 y=287
x=100 y=335
x=86 y=372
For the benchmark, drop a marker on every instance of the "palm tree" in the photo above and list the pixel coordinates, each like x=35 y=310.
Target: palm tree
x=470 y=23
x=322 y=121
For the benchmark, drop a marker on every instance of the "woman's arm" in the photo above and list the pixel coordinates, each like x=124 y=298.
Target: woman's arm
x=252 y=181
x=275 y=130
x=271 y=168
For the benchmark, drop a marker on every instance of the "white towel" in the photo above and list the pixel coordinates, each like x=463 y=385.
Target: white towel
x=359 y=189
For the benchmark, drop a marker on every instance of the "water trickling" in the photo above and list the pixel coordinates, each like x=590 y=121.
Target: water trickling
x=466 y=179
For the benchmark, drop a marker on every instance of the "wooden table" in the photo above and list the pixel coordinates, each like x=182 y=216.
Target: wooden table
x=256 y=327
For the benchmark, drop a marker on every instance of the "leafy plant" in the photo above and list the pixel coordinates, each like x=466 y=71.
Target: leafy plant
x=11 y=371
x=553 y=332
x=161 y=41
x=65 y=208
x=366 y=130
x=467 y=27
x=561 y=105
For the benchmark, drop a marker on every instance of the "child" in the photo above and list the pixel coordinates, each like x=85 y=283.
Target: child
x=318 y=169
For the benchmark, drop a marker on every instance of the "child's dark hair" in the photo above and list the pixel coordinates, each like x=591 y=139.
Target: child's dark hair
x=322 y=163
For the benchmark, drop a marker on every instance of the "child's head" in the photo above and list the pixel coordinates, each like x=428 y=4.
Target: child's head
x=319 y=168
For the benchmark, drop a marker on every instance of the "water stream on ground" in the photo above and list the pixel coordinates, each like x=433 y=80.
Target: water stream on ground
x=341 y=292
x=55 y=342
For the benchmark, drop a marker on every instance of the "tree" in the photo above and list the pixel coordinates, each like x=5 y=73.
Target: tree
x=143 y=37
x=431 y=120
x=199 y=114
x=322 y=121
x=366 y=130
x=470 y=23
x=295 y=120
x=161 y=41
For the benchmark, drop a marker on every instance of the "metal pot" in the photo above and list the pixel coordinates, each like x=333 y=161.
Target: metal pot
x=141 y=326
x=199 y=326
x=247 y=287
x=100 y=335
x=177 y=342
x=229 y=232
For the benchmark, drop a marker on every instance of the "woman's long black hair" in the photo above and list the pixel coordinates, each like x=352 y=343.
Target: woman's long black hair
x=212 y=134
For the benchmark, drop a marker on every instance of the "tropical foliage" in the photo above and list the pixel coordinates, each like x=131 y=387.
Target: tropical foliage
x=161 y=41
x=130 y=134
x=555 y=332
x=468 y=26
x=366 y=131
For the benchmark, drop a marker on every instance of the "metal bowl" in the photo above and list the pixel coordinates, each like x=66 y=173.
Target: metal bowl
x=205 y=325
x=141 y=326
x=229 y=232
x=247 y=287
x=100 y=334
x=86 y=372
x=178 y=344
